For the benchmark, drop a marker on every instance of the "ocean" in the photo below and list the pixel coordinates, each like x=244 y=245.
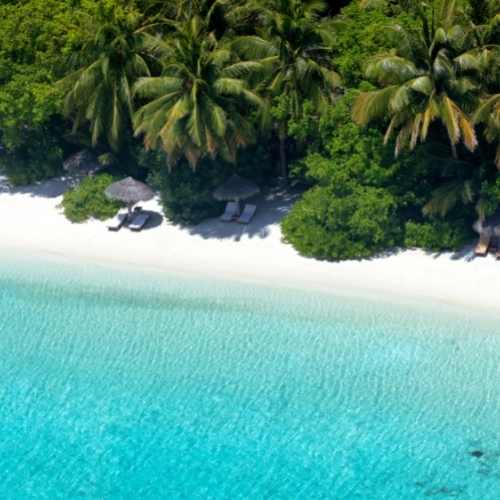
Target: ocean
x=120 y=384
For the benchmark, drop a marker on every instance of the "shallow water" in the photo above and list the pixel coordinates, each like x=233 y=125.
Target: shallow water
x=117 y=385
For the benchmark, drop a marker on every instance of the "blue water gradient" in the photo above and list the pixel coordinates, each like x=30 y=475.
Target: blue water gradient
x=119 y=385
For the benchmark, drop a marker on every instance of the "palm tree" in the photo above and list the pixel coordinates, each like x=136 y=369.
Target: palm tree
x=429 y=77
x=489 y=114
x=466 y=182
x=99 y=93
x=294 y=43
x=200 y=105
x=488 y=57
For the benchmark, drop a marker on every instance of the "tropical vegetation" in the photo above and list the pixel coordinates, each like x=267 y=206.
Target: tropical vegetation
x=88 y=200
x=385 y=114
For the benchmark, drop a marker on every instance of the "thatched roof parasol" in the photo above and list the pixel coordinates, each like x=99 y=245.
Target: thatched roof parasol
x=129 y=191
x=84 y=162
x=236 y=188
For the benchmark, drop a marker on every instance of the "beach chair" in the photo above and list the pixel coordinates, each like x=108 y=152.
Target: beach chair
x=231 y=212
x=247 y=214
x=483 y=244
x=139 y=221
x=117 y=222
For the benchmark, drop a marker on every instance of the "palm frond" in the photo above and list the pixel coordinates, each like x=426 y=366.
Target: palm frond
x=446 y=197
x=389 y=69
x=371 y=105
x=150 y=87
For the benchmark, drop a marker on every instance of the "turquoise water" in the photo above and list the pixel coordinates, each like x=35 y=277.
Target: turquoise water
x=118 y=385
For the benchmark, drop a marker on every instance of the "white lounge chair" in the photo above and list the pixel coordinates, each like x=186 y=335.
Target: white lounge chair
x=139 y=221
x=247 y=214
x=117 y=222
x=231 y=212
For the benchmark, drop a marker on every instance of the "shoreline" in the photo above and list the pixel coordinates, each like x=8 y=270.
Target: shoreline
x=249 y=254
x=363 y=293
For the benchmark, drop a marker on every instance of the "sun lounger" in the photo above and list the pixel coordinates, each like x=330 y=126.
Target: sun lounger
x=139 y=221
x=231 y=212
x=117 y=222
x=483 y=244
x=247 y=214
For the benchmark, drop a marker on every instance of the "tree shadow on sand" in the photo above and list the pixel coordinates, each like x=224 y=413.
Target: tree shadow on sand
x=272 y=206
x=52 y=188
x=465 y=254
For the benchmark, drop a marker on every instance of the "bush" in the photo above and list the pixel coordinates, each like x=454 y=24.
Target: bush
x=360 y=33
x=341 y=151
x=37 y=160
x=438 y=235
x=187 y=195
x=357 y=222
x=490 y=196
x=88 y=200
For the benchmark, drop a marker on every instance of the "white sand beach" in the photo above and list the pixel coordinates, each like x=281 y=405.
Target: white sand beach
x=32 y=224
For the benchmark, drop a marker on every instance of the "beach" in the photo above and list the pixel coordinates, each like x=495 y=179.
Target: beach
x=35 y=225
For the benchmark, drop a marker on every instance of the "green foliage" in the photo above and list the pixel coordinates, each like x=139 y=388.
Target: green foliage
x=187 y=195
x=199 y=106
x=99 y=93
x=295 y=41
x=341 y=151
x=36 y=37
x=359 y=35
x=430 y=76
x=345 y=156
x=490 y=196
x=40 y=158
x=438 y=235
x=353 y=212
x=338 y=223
x=88 y=200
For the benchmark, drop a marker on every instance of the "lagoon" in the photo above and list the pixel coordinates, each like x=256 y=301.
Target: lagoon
x=121 y=384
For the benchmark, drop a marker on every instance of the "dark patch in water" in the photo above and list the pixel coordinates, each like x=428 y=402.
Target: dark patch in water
x=444 y=490
x=476 y=453
x=439 y=490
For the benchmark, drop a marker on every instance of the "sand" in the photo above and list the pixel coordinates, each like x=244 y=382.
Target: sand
x=33 y=224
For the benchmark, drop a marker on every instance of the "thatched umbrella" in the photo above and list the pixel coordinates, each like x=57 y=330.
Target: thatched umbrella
x=236 y=188
x=129 y=191
x=83 y=163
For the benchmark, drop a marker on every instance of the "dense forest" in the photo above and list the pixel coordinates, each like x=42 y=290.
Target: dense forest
x=384 y=114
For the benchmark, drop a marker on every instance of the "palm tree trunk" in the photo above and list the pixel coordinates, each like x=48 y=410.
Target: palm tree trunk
x=283 y=162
